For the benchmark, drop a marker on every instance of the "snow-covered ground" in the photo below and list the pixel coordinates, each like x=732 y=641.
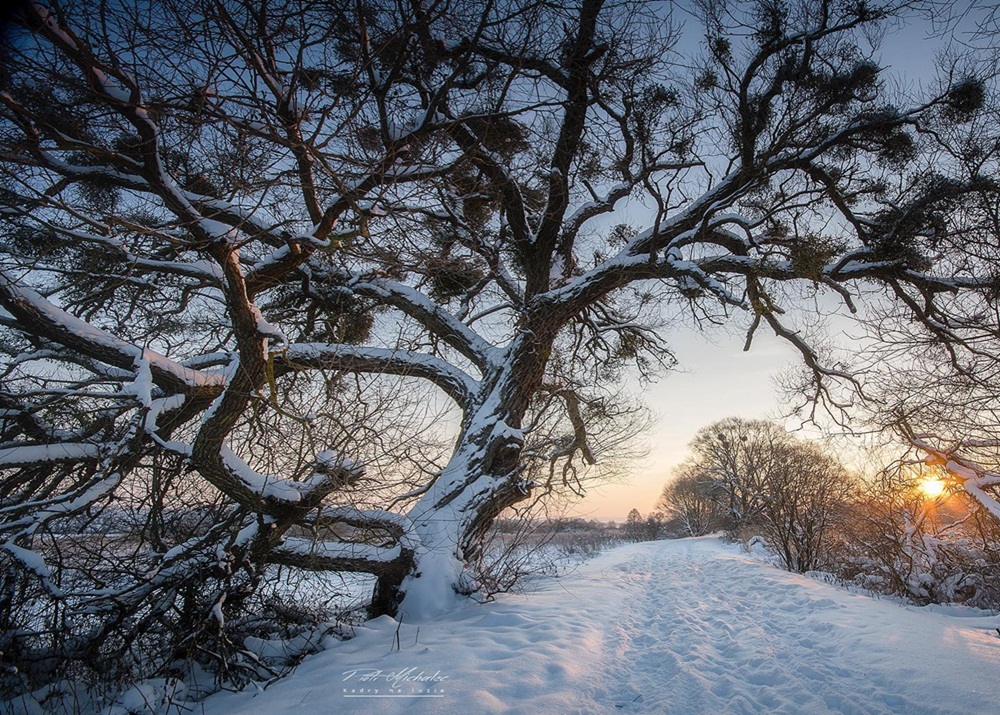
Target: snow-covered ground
x=679 y=627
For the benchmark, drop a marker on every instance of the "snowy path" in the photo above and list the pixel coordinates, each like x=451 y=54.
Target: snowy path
x=709 y=632
x=683 y=627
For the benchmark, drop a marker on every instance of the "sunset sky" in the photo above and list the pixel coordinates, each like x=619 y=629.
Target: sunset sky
x=715 y=378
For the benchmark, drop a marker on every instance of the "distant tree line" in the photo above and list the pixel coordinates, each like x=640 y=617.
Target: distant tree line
x=636 y=528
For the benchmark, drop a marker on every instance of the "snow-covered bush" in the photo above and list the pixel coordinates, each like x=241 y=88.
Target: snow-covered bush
x=896 y=540
x=126 y=594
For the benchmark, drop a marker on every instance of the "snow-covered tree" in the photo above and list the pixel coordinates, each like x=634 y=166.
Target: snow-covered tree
x=634 y=528
x=219 y=214
x=637 y=528
x=764 y=482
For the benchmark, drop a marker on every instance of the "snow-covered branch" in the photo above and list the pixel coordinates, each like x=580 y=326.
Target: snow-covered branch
x=37 y=316
x=349 y=358
x=55 y=453
x=432 y=316
x=977 y=481
x=334 y=556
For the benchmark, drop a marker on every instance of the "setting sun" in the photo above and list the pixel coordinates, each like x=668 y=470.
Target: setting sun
x=932 y=488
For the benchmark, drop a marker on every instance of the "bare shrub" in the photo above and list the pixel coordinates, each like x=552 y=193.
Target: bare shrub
x=525 y=546
x=689 y=504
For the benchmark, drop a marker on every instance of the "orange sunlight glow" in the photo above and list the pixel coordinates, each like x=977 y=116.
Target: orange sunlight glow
x=931 y=487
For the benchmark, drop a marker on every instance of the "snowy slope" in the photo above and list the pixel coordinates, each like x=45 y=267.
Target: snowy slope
x=679 y=627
